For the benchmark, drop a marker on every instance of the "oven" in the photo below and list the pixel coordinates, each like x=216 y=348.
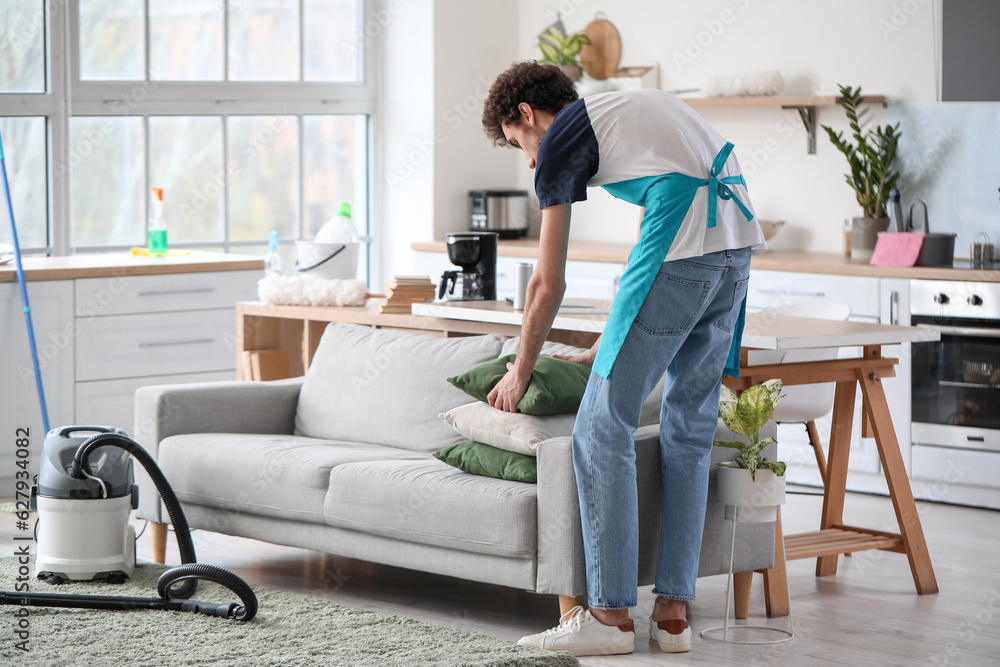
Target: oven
x=956 y=381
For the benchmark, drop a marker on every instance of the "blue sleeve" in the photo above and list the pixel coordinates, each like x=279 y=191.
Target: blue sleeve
x=567 y=158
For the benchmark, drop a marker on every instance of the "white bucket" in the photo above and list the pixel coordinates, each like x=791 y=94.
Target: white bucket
x=327 y=260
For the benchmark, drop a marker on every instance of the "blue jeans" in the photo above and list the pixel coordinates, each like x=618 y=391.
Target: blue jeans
x=684 y=327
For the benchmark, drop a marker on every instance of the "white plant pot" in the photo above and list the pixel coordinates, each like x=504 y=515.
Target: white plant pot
x=757 y=500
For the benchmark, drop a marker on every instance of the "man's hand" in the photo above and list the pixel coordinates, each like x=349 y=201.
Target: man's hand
x=587 y=358
x=510 y=389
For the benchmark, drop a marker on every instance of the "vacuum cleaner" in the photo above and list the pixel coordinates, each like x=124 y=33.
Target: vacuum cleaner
x=84 y=495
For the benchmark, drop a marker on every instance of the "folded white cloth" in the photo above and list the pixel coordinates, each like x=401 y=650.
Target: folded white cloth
x=746 y=83
x=303 y=291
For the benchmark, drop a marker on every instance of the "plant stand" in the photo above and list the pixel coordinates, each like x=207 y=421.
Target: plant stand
x=714 y=632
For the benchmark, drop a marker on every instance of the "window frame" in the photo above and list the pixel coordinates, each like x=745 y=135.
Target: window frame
x=68 y=96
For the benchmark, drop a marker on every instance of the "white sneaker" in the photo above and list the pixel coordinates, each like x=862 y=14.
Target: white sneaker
x=581 y=634
x=673 y=635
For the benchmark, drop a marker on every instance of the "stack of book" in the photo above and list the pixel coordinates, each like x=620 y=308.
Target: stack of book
x=403 y=291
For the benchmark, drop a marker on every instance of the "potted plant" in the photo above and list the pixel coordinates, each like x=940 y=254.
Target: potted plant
x=562 y=50
x=870 y=158
x=751 y=481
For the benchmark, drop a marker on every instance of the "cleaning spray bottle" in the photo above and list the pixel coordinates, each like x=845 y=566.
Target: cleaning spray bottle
x=156 y=240
x=272 y=260
x=339 y=228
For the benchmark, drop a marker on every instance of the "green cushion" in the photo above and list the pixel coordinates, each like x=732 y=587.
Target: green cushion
x=556 y=387
x=479 y=459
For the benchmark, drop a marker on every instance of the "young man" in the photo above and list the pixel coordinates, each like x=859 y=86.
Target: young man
x=679 y=309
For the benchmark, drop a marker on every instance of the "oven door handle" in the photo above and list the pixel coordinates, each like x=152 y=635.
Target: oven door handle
x=963 y=331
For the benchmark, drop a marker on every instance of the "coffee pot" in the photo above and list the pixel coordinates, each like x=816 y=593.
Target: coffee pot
x=476 y=254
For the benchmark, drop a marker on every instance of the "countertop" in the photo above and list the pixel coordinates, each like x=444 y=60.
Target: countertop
x=125 y=264
x=772 y=260
x=761 y=332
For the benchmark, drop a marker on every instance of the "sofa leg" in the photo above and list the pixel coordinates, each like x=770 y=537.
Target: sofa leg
x=741 y=593
x=566 y=603
x=159 y=534
x=775 y=580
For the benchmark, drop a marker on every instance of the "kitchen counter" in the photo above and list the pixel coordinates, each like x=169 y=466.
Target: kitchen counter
x=779 y=260
x=125 y=264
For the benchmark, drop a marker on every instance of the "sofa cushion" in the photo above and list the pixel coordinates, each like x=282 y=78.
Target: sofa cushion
x=476 y=458
x=282 y=476
x=512 y=431
x=387 y=387
x=650 y=413
x=556 y=386
x=429 y=502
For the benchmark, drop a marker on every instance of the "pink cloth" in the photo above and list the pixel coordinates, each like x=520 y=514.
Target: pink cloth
x=897 y=248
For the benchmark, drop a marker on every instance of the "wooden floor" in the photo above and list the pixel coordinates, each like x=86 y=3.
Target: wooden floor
x=868 y=614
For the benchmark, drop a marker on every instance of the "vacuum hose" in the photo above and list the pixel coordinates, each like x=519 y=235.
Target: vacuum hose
x=176 y=584
x=181 y=529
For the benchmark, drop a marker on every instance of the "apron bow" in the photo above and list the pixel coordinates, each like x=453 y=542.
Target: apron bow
x=718 y=188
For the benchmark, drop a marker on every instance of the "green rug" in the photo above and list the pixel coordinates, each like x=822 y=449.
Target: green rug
x=289 y=630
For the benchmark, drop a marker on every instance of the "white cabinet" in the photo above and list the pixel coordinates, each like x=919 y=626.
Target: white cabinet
x=100 y=339
x=136 y=331
x=52 y=317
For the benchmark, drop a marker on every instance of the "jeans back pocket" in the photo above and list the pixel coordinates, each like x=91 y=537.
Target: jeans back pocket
x=672 y=305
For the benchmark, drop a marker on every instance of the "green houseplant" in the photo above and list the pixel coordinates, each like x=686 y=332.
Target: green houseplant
x=562 y=50
x=752 y=480
x=871 y=176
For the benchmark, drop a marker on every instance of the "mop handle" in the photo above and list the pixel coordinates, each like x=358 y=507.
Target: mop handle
x=22 y=285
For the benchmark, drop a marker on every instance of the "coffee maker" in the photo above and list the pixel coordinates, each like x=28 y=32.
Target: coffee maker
x=476 y=253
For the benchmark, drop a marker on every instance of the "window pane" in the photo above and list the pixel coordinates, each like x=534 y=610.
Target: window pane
x=111 y=39
x=331 y=40
x=334 y=169
x=185 y=159
x=264 y=40
x=22 y=66
x=262 y=159
x=107 y=168
x=24 y=150
x=185 y=39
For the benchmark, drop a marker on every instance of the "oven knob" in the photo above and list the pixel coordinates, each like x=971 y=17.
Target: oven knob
x=975 y=300
x=941 y=298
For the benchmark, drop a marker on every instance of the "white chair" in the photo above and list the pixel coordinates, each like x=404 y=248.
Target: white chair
x=804 y=404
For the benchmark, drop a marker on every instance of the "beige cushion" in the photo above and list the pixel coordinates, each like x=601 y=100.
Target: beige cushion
x=511 y=431
x=387 y=387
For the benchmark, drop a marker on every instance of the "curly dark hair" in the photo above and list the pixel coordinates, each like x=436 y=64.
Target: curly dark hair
x=543 y=86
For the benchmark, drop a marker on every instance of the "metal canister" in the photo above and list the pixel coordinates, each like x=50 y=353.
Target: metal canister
x=522 y=274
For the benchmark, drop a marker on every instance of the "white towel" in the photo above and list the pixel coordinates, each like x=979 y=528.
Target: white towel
x=303 y=291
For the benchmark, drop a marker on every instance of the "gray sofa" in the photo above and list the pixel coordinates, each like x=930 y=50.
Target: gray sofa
x=340 y=462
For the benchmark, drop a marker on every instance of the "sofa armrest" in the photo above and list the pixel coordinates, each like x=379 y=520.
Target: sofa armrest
x=207 y=407
x=560 y=568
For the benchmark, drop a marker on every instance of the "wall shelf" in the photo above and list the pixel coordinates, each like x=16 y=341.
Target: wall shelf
x=804 y=104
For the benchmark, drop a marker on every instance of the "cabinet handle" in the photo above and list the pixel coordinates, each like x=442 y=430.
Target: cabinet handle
x=196 y=341
x=775 y=290
x=197 y=290
x=894 y=307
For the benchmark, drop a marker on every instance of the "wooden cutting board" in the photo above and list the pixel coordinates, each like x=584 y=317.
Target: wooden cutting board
x=601 y=58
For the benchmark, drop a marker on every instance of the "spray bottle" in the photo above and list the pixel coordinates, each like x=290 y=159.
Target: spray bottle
x=157 y=234
x=272 y=260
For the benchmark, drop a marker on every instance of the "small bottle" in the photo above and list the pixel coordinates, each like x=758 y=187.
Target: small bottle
x=272 y=260
x=156 y=236
x=895 y=212
x=339 y=228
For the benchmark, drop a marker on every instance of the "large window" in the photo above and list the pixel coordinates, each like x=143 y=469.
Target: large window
x=253 y=115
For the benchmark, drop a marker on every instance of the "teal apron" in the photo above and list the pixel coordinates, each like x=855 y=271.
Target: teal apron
x=667 y=199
